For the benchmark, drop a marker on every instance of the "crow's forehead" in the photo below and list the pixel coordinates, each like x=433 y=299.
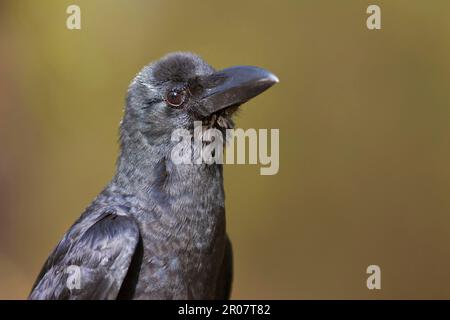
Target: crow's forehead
x=179 y=66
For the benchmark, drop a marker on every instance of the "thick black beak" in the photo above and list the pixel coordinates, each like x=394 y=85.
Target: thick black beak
x=234 y=86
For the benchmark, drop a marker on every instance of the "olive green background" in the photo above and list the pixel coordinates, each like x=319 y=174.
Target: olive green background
x=364 y=135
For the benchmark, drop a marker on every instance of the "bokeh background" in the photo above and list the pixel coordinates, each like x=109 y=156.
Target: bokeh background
x=364 y=135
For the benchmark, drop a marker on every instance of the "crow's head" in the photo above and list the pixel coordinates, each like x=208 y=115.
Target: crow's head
x=181 y=88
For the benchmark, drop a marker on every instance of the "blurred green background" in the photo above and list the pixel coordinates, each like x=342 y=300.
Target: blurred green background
x=364 y=135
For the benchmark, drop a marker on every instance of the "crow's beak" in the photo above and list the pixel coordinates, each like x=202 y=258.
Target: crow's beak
x=233 y=86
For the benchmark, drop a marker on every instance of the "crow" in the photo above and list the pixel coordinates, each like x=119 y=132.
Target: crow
x=157 y=230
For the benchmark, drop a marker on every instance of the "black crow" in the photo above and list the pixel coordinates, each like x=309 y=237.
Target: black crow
x=157 y=231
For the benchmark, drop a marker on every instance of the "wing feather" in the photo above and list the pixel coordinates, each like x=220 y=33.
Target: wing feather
x=90 y=262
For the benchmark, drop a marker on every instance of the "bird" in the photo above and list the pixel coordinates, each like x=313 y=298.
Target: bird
x=158 y=229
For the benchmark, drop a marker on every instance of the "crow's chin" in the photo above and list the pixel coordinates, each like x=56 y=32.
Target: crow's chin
x=222 y=119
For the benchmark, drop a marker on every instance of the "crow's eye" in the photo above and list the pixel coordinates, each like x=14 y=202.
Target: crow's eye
x=176 y=97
